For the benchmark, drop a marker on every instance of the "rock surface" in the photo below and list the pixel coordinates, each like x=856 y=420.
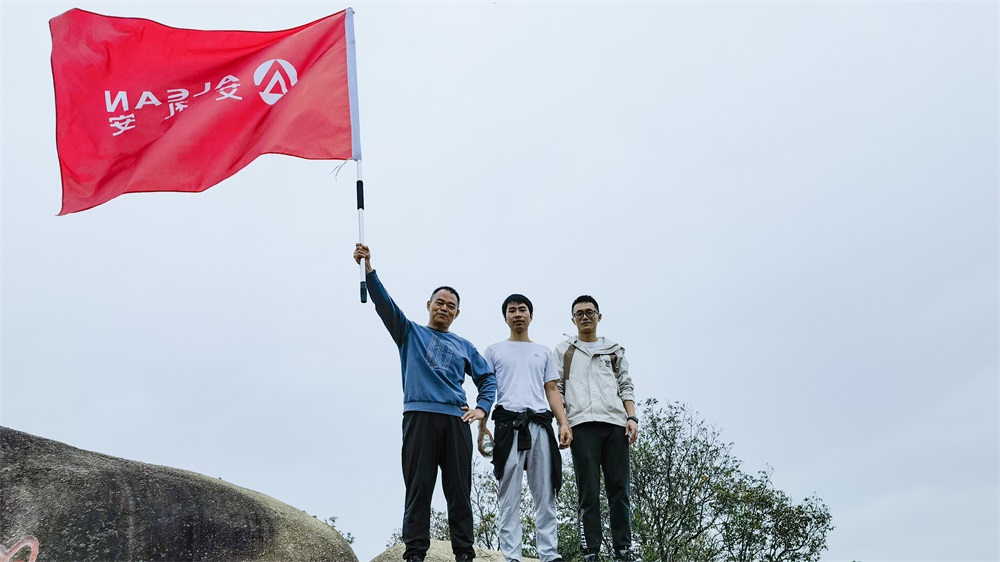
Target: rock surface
x=440 y=551
x=82 y=505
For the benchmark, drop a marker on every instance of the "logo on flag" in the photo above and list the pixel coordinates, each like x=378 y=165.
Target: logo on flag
x=283 y=77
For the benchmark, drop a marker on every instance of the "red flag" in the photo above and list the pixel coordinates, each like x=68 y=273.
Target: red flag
x=145 y=107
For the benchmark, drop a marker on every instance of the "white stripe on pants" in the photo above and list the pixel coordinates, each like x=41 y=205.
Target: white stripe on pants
x=538 y=462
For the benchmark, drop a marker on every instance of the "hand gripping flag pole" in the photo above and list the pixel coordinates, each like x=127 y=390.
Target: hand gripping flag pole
x=152 y=146
x=361 y=231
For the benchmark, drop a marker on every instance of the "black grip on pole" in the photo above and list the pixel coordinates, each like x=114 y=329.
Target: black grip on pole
x=361 y=194
x=364 y=292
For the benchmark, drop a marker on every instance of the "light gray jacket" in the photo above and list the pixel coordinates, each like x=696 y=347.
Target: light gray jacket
x=593 y=391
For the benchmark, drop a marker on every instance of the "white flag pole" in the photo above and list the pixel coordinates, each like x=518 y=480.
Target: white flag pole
x=352 y=92
x=361 y=230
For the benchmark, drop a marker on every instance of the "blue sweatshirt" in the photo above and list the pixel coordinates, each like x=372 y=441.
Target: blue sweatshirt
x=433 y=363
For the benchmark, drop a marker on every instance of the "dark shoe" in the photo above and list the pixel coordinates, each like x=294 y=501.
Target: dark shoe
x=414 y=558
x=465 y=557
x=624 y=555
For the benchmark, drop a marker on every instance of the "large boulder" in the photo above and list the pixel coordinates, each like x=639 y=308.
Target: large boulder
x=81 y=506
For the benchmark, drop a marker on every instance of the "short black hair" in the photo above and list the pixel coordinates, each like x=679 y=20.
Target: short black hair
x=516 y=298
x=585 y=298
x=458 y=299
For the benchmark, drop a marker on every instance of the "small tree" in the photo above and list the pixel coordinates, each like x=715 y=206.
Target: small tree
x=485 y=507
x=690 y=502
x=567 y=516
x=332 y=522
x=760 y=523
x=679 y=465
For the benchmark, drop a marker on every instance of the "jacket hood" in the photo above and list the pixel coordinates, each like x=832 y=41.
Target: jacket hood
x=608 y=347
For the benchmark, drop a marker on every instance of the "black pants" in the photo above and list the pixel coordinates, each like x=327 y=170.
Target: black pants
x=431 y=441
x=601 y=446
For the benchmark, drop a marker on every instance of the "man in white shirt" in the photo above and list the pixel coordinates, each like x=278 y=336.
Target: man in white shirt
x=527 y=400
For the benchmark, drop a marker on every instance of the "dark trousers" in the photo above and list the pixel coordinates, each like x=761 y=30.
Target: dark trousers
x=597 y=447
x=431 y=441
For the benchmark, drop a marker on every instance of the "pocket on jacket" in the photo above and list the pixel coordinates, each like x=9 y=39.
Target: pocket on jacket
x=604 y=368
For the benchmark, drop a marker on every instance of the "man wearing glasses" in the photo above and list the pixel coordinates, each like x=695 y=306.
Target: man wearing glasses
x=600 y=409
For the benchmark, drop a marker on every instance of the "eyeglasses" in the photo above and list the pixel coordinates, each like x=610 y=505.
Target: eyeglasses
x=589 y=313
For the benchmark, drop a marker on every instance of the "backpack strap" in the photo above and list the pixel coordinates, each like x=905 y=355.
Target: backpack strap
x=567 y=361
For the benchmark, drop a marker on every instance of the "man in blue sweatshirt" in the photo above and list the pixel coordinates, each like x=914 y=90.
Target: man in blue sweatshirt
x=436 y=418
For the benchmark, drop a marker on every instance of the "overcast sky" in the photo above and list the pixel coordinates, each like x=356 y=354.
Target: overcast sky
x=787 y=211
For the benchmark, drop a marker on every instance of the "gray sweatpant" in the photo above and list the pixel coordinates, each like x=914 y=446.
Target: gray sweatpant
x=538 y=464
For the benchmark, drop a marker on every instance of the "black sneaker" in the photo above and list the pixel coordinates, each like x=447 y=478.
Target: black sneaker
x=624 y=555
x=414 y=558
x=464 y=557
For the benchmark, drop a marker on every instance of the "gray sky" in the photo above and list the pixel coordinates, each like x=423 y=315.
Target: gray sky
x=788 y=212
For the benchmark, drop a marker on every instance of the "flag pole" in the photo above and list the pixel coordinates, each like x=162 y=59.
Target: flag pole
x=352 y=94
x=361 y=230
